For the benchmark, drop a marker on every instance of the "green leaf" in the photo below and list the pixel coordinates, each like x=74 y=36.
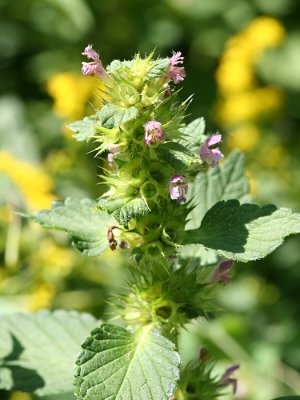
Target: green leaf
x=116 y=364
x=179 y=157
x=288 y=398
x=116 y=66
x=84 y=129
x=224 y=182
x=192 y=135
x=133 y=209
x=82 y=221
x=244 y=232
x=159 y=69
x=113 y=116
x=195 y=251
x=37 y=351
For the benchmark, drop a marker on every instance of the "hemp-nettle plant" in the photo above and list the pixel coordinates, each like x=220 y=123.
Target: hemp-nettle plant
x=181 y=214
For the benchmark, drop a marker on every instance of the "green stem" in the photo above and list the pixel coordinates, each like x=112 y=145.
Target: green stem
x=12 y=244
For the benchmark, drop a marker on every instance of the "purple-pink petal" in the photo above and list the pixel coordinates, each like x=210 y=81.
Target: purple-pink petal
x=214 y=139
x=178 y=188
x=93 y=67
x=226 y=378
x=153 y=133
x=211 y=156
x=222 y=273
x=175 y=73
x=89 y=52
x=176 y=58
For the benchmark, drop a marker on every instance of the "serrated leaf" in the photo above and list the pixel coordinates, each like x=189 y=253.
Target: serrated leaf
x=179 y=157
x=118 y=365
x=224 y=182
x=37 y=351
x=159 y=68
x=84 y=129
x=113 y=116
x=133 y=209
x=85 y=224
x=192 y=135
x=244 y=232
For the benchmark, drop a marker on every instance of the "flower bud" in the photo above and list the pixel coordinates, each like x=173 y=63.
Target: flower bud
x=222 y=273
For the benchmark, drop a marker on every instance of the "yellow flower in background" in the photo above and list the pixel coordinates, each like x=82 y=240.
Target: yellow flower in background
x=234 y=76
x=71 y=92
x=52 y=260
x=20 y=396
x=248 y=106
x=5 y=213
x=33 y=183
x=244 y=137
x=41 y=297
x=236 y=69
x=277 y=155
x=265 y=32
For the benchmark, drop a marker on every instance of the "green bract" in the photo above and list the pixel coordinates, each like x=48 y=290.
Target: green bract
x=175 y=216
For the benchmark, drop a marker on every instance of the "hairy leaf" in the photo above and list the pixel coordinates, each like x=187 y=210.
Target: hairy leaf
x=221 y=183
x=244 y=232
x=113 y=116
x=177 y=156
x=118 y=365
x=159 y=68
x=82 y=221
x=37 y=351
x=192 y=135
x=133 y=209
x=84 y=129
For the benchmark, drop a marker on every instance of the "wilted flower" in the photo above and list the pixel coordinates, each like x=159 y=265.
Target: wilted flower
x=153 y=133
x=176 y=74
x=93 y=67
x=111 y=238
x=178 y=188
x=211 y=156
x=222 y=273
x=226 y=378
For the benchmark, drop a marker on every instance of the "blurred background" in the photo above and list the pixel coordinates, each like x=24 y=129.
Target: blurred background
x=242 y=59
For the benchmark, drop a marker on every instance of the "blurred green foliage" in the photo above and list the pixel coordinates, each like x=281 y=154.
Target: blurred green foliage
x=42 y=90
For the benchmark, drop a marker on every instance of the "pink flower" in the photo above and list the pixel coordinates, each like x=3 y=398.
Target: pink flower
x=153 y=133
x=178 y=188
x=211 y=156
x=110 y=156
x=226 y=377
x=222 y=273
x=93 y=67
x=175 y=73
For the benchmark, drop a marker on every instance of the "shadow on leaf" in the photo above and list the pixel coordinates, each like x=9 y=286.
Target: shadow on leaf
x=22 y=378
x=224 y=225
